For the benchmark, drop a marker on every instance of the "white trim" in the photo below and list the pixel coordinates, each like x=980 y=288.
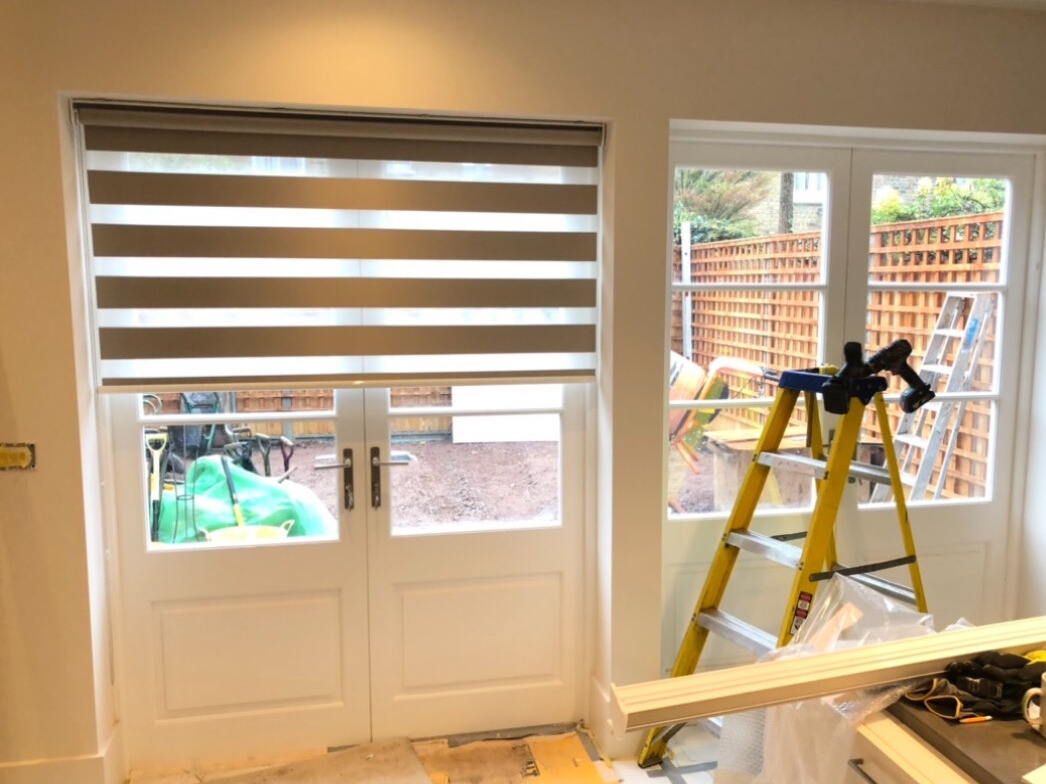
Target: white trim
x=784 y=134
x=768 y=287
x=105 y=767
x=1024 y=5
x=718 y=692
x=1015 y=583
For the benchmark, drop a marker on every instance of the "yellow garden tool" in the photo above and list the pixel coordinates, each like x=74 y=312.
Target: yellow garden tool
x=156 y=443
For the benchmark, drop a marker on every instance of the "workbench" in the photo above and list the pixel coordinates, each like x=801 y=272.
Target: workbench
x=907 y=744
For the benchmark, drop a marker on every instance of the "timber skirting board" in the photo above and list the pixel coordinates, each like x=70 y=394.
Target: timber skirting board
x=718 y=692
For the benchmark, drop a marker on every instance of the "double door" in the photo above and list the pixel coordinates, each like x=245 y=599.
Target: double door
x=433 y=587
x=847 y=242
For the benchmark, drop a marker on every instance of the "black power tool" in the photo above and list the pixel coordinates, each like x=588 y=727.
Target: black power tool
x=894 y=358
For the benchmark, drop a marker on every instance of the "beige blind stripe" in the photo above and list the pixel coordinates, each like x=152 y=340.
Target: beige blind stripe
x=149 y=293
x=493 y=288
x=302 y=146
x=279 y=243
x=233 y=342
x=206 y=190
x=173 y=119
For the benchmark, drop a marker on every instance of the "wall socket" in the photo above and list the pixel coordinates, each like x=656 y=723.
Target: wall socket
x=17 y=456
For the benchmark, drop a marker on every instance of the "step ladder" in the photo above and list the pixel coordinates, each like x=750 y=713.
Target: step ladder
x=921 y=434
x=816 y=560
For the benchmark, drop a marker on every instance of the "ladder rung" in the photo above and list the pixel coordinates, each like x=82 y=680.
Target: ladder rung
x=887 y=587
x=911 y=440
x=950 y=333
x=818 y=469
x=767 y=547
x=734 y=629
x=940 y=370
x=799 y=463
x=712 y=725
x=870 y=473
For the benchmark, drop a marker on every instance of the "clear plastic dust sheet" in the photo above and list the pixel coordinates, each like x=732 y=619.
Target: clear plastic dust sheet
x=810 y=742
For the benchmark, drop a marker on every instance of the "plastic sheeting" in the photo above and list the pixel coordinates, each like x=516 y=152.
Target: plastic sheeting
x=810 y=742
x=202 y=503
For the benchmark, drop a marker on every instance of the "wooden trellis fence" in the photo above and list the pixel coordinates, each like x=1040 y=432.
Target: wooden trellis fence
x=320 y=400
x=778 y=329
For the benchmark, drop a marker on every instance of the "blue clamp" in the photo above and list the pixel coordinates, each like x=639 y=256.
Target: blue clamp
x=863 y=388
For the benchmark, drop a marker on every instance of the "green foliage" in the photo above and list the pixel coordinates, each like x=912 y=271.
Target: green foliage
x=718 y=204
x=942 y=197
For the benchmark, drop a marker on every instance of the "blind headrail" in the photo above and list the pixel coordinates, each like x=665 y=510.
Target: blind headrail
x=387 y=126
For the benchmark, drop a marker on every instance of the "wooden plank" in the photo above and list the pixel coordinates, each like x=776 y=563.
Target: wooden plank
x=718 y=692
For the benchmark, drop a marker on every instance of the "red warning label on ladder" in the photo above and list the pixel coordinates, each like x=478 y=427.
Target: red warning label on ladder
x=802 y=609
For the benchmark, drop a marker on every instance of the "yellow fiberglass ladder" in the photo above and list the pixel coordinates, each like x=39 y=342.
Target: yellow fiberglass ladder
x=845 y=392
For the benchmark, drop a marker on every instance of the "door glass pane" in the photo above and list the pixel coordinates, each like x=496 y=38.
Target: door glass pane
x=712 y=449
x=747 y=336
x=747 y=301
x=213 y=479
x=749 y=226
x=937 y=460
x=469 y=470
x=935 y=262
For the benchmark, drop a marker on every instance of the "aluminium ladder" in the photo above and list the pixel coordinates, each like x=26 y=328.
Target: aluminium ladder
x=816 y=560
x=921 y=434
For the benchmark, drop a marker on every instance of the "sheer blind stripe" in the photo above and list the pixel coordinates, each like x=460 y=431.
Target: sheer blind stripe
x=519 y=304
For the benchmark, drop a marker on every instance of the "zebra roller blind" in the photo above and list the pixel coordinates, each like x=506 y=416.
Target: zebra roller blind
x=231 y=250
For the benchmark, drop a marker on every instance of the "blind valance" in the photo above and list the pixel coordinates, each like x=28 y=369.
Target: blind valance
x=232 y=249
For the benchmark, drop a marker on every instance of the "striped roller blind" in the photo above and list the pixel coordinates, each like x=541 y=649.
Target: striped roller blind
x=232 y=250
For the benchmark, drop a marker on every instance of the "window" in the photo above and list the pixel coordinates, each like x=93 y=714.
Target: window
x=747 y=300
x=761 y=283
x=917 y=239
x=290 y=256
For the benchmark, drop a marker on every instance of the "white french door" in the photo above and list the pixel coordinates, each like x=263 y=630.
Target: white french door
x=902 y=273
x=842 y=243
x=384 y=613
x=474 y=617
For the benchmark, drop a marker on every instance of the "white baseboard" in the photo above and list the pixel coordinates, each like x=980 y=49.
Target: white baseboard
x=612 y=745
x=106 y=767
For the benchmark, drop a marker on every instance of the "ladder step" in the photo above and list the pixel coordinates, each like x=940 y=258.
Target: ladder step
x=950 y=333
x=818 y=469
x=713 y=725
x=941 y=370
x=734 y=629
x=887 y=588
x=767 y=547
x=910 y=440
x=799 y=463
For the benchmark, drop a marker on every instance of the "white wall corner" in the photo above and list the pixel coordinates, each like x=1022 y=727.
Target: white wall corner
x=1029 y=540
x=611 y=744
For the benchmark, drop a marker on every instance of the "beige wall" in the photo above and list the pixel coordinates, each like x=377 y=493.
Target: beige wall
x=634 y=63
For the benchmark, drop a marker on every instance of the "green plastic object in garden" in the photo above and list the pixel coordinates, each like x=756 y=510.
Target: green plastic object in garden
x=201 y=503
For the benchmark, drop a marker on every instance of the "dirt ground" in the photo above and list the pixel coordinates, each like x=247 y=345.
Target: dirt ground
x=446 y=482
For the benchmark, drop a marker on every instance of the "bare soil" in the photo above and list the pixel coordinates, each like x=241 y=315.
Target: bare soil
x=444 y=482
